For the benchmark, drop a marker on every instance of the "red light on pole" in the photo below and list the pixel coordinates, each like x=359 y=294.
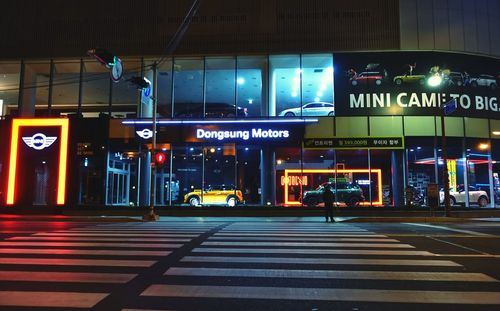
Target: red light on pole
x=160 y=158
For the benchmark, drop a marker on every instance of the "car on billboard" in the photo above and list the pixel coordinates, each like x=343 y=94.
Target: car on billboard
x=367 y=77
x=345 y=192
x=484 y=80
x=455 y=78
x=407 y=78
x=316 y=109
x=215 y=195
x=211 y=110
x=476 y=196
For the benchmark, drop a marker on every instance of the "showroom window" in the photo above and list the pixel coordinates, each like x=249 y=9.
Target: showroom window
x=284 y=85
x=477 y=159
x=36 y=88
x=95 y=89
x=317 y=85
x=220 y=88
x=9 y=87
x=65 y=88
x=188 y=87
x=164 y=90
x=421 y=167
x=251 y=89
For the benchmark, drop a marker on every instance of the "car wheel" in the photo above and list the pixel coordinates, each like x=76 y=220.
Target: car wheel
x=194 y=201
x=452 y=201
x=493 y=86
x=421 y=81
x=483 y=201
x=231 y=201
x=352 y=202
x=354 y=82
x=398 y=81
x=331 y=114
x=459 y=83
x=378 y=82
x=311 y=202
x=473 y=84
x=289 y=114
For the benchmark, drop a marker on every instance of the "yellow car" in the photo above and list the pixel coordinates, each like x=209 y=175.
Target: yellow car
x=215 y=195
x=409 y=79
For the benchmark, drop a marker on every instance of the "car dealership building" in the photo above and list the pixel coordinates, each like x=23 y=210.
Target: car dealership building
x=261 y=102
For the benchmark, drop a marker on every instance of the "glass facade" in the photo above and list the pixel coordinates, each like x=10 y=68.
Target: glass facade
x=114 y=169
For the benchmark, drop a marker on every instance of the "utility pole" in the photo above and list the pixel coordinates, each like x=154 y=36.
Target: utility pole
x=151 y=215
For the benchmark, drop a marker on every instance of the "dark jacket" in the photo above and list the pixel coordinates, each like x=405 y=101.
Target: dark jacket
x=328 y=197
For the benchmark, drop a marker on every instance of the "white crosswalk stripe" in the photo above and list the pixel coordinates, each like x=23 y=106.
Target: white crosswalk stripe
x=102 y=255
x=279 y=254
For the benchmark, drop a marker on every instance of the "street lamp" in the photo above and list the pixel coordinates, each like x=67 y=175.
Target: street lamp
x=446 y=109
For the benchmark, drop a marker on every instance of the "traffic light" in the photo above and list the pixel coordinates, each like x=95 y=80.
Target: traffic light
x=109 y=60
x=160 y=158
x=139 y=82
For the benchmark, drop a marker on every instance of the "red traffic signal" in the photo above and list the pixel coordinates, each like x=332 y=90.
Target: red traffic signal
x=160 y=158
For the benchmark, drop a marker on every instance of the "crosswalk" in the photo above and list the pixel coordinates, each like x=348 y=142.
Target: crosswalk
x=203 y=265
x=101 y=256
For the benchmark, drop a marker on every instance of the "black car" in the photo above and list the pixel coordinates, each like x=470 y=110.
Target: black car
x=212 y=110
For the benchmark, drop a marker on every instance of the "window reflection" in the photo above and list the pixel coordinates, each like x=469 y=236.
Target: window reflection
x=188 y=87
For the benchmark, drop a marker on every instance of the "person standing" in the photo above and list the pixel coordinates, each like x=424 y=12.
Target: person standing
x=328 y=198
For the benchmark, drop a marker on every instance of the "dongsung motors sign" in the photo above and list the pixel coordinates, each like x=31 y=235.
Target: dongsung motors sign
x=416 y=83
x=254 y=133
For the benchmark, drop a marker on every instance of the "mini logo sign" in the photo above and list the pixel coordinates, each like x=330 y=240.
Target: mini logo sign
x=39 y=141
x=145 y=133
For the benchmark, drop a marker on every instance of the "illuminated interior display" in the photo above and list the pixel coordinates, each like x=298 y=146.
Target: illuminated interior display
x=17 y=124
x=294 y=180
x=452 y=174
x=294 y=172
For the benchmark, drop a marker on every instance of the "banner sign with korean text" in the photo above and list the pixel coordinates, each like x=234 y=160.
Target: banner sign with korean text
x=354 y=143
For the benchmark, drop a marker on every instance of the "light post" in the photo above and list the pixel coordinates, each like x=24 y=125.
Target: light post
x=151 y=215
x=446 y=109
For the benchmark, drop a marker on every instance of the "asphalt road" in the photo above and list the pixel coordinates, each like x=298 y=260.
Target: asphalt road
x=248 y=264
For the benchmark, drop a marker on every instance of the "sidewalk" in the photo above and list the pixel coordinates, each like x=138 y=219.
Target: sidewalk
x=279 y=213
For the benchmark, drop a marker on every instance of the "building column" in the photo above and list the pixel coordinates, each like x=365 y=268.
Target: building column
x=397 y=177
x=145 y=179
x=267 y=175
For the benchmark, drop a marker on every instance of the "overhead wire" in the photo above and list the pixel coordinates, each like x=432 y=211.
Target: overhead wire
x=171 y=46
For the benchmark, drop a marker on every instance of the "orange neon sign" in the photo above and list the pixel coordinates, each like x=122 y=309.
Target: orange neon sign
x=63 y=155
x=376 y=171
x=294 y=180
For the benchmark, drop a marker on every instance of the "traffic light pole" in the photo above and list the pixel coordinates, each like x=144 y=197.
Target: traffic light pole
x=151 y=215
x=446 y=180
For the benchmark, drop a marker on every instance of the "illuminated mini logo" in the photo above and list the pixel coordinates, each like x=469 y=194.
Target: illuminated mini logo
x=145 y=133
x=39 y=141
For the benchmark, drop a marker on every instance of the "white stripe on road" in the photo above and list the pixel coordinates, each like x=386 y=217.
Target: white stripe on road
x=77 y=262
x=73 y=277
x=308 y=244
x=81 y=244
x=312 y=251
x=322 y=261
x=50 y=299
x=324 y=235
x=326 y=294
x=246 y=238
x=451 y=229
x=103 y=239
x=93 y=252
x=137 y=235
x=332 y=274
